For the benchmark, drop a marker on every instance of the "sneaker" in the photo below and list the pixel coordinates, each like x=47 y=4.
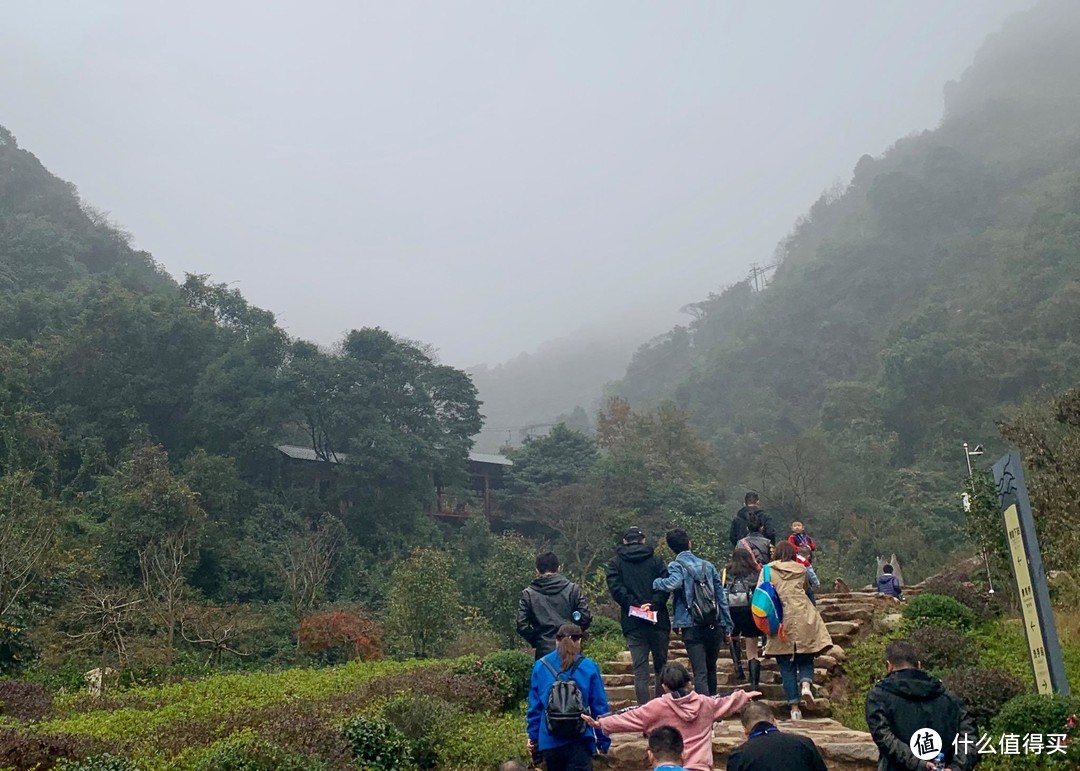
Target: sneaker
x=796 y=713
x=807 y=694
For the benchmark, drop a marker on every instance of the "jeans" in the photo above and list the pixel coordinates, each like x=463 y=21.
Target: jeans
x=641 y=643
x=794 y=670
x=702 y=647
x=569 y=757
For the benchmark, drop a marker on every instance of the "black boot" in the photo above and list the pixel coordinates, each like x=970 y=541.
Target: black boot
x=736 y=656
x=755 y=674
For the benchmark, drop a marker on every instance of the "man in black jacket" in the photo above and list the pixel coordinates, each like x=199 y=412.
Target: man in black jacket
x=740 y=522
x=767 y=748
x=629 y=579
x=550 y=601
x=909 y=700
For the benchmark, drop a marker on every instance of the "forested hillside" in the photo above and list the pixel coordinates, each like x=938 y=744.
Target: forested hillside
x=911 y=309
x=143 y=499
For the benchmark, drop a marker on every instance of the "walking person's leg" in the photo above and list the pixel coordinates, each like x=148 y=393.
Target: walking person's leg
x=753 y=663
x=714 y=638
x=804 y=665
x=790 y=679
x=658 y=643
x=695 y=651
x=578 y=758
x=638 y=644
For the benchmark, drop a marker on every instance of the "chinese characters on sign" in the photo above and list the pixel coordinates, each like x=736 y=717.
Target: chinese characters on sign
x=1012 y=744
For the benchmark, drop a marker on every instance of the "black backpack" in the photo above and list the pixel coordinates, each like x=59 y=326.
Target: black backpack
x=704 y=610
x=565 y=703
x=738 y=592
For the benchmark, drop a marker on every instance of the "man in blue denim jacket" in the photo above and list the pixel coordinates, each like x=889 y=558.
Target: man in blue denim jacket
x=702 y=642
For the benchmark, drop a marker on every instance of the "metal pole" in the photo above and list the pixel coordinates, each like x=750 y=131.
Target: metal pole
x=971 y=484
x=967 y=457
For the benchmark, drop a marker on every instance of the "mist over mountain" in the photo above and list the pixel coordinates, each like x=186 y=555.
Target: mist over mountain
x=910 y=310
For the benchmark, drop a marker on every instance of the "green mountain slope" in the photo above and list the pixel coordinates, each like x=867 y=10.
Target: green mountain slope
x=909 y=311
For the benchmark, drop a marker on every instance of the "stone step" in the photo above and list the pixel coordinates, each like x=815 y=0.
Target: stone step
x=842 y=748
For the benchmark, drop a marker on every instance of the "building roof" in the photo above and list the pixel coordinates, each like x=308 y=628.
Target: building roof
x=306 y=453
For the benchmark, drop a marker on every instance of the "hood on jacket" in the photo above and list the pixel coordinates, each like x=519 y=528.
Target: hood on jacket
x=553 y=583
x=686 y=707
x=634 y=552
x=912 y=684
x=787 y=570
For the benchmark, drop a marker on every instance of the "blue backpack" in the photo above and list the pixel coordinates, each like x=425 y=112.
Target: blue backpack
x=765 y=606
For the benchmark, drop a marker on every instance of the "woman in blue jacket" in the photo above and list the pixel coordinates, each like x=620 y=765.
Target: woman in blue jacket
x=576 y=753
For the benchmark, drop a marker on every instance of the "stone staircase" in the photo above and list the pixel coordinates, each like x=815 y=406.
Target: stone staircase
x=849 y=617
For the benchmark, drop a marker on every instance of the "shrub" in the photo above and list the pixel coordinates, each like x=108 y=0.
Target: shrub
x=474 y=743
x=1032 y=714
x=425 y=721
x=984 y=606
x=495 y=679
x=245 y=751
x=941 y=648
x=104 y=762
x=604 y=651
x=605 y=628
x=516 y=665
x=340 y=635
x=24 y=701
x=476 y=637
x=984 y=691
x=938 y=610
x=864 y=666
x=36 y=752
x=376 y=744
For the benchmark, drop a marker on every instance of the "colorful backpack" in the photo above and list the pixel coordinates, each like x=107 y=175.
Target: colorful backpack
x=765 y=606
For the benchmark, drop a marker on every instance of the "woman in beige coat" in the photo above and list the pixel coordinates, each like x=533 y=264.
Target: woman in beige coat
x=804 y=633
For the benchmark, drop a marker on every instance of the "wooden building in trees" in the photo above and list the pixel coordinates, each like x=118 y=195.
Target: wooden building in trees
x=485 y=477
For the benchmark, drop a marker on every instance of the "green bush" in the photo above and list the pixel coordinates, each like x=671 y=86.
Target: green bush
x=938 y=610
x=377 y=745
x=98 y=763
x=604 y=651
x=425 y=721
x=492 y=677
x=517 y=666
x=245 y=751
x=864 y=666
x=1032 y=714
x=983 y=691
x=483 y=743
x=605 y=628
x=983 y=605
x=941 y=648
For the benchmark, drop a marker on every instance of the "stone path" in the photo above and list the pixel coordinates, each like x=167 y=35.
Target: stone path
x=849 y=617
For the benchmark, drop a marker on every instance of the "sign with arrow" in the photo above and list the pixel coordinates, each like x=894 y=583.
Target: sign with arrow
x=1044 y=648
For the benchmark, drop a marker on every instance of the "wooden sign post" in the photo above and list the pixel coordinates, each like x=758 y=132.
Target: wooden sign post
x=1044 y=647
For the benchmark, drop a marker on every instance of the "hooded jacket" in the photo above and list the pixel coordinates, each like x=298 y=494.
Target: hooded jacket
x=545 y=605
x=770 y=749
x=804 y=630
x=889 y=585
x=680 y=582
x=692 y=715
x=907 y=700
x=740 y=526
x=630 y=577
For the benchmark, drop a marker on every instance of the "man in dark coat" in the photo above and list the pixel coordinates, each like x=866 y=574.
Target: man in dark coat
x=629 y=579
x=550 y=601
x=907 y=701
x=740 y=527
x=767 y=748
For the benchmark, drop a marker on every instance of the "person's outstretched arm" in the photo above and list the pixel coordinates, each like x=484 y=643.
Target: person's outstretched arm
x=639 y=719
x=726 y=705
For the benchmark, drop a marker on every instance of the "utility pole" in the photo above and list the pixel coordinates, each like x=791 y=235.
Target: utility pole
x=978 y=450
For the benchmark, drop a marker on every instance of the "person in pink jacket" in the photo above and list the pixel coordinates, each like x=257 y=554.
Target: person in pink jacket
x=691 y=713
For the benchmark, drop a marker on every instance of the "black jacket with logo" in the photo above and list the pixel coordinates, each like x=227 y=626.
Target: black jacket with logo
x=908 y=700
x=545 y=605
x=629 y=579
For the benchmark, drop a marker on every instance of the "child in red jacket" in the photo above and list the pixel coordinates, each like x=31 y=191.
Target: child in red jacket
x=799 y=537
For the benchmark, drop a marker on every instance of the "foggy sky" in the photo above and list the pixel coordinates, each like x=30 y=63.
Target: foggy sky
x=481 y=176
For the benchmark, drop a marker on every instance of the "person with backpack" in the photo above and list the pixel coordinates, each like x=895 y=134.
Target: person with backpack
x=801 y=633
x=699 y=608
x=565 y=685
x=740 y=578
x=888 y=584
x=691 y=713
x=740 y=524
x=755 y=541
x=550 y=601
x=629 y=578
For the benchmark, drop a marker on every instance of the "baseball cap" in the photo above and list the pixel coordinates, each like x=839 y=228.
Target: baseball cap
x=634 y=534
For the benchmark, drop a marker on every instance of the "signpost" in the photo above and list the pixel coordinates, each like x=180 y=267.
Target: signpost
x=1044 y=648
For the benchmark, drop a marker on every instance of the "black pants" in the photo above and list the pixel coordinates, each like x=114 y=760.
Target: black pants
x=702 y=647
x=642 y=642
x=569 y=757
